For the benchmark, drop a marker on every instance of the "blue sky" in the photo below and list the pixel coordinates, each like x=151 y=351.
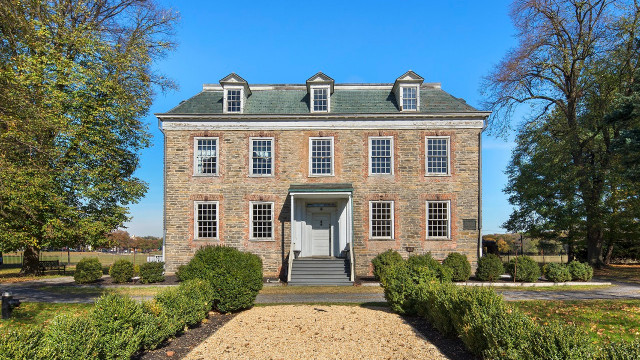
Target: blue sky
x=455 y=43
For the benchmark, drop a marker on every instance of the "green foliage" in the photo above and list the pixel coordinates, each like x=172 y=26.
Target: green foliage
x=556 y=272
x=20 y=345
x=152 y=272
x=69 y=337
x=383 y=260
x=580 y=271
x=489 y=268
x=121 y=271
x=621 y=351
x=403 y=280
x=235 y=276
x=71 y=125
x=459 y=265
x=88 y=270
x=187 y=305
x=119 y=320
x=523 y=268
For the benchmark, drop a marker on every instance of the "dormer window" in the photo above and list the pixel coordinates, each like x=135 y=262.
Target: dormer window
x=234 y=100
x=320 y=99
x=407 y=91
x=320 y=88
x=235 y=92
x=409 y=98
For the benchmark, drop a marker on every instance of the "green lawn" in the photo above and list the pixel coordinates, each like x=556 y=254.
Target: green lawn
x=39 y=314
x=603 y=320
x=75 y=256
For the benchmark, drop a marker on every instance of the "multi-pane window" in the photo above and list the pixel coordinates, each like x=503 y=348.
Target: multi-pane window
x=437 y=157
x=234 y=100
x=438 y=218
x=261 y=156
x=321 y=99
x=321 y=156
x=206 y=156
x=381 y=219
x=409 y=98
x=261 y=220
x=380 y=155
x=206 y=215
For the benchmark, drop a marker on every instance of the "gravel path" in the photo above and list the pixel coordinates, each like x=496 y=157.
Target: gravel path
x=316 y=332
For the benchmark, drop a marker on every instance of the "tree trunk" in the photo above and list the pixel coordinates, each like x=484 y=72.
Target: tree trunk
x=594 y=242
x=31 y=261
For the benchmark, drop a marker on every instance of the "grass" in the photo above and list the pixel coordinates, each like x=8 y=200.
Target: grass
x=603 y=320
x=75 y=256
x=552 y=288
x=284 y=290
x=328 y=303
x=625 y=273
x=40 y=314
x=98 y=291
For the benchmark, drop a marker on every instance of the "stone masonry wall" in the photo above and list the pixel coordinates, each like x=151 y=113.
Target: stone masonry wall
x=408 y=187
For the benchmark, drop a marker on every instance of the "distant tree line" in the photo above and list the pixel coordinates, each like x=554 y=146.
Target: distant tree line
x=121 y=240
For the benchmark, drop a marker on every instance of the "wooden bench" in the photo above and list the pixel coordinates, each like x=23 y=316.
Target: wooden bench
x=52 y=265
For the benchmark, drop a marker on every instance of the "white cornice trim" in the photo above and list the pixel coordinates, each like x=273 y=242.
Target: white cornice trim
x=321 y=124
x=322 y=116
x=262 y=87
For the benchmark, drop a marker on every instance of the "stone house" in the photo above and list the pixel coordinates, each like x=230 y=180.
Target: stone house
x=318 y=178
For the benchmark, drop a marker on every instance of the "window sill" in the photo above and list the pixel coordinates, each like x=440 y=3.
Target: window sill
x=262 y=240
x=438 y=239
x=206 y=175
x=206 y=239
x=321 y=175
x=381 y=239
x=437 y=175
x=381 y=175
x=261 y=176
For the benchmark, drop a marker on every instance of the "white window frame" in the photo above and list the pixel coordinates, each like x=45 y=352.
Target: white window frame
x=311 y=153
x=448 y=237
x=426 y=156
x=371 y=138
x=327 y=88
x=225 y=104
x=271 y=170
x=251 y=234
x=195 y=220
x=402 y=87
x=393 y=225
x=195 y=156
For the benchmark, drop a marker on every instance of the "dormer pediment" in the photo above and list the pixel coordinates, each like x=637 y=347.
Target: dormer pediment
x=234 y=79
x=409 y=77
x=407 y=91
x=320 y=79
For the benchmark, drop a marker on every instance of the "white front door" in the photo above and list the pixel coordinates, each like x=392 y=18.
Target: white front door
x=320 y=234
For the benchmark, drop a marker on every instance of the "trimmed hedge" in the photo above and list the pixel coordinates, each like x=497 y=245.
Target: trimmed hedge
x=116 y=328
x=152 y=272
x=235 y=275
x=492 y=329
x=401 y=281
x=556 y=272
x=88 y=270
x=580 y=271
x=523 y=268
x=459 y=265
x=383 y=261
x=121 y=271
x=489 y=268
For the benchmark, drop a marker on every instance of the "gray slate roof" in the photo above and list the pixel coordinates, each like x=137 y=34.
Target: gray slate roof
x=343 y=101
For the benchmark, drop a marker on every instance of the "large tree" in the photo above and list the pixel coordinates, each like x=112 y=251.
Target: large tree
x=75 y=80
x=572 y=60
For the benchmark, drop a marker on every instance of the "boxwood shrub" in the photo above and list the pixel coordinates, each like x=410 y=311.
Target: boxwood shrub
x=152 y=272
x=523 y=268
x=88 y=270
x=489 y=268
x=121 y=271
x=20 y=344
x=383 y=260
x=580 y=271
x=459 y=265
x=556 y=272
x=235 y=276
